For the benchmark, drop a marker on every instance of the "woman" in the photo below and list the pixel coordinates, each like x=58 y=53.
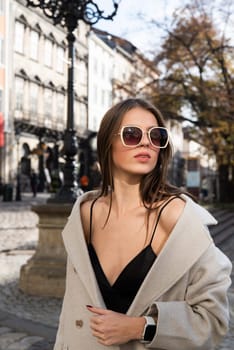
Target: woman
x=142 y=271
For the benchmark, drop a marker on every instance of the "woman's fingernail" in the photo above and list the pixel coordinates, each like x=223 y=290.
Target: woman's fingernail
x=89 y=306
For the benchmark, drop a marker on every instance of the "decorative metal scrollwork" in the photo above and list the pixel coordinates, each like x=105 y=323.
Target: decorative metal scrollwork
x=68 y=12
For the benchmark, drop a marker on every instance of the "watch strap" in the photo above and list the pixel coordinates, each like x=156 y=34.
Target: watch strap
x=149 y=329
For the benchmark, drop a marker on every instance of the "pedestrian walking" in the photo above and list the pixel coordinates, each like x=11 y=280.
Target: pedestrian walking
x=34 y=183
x=142 y=269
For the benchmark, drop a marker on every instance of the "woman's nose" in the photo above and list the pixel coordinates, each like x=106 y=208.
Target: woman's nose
x=145 y=139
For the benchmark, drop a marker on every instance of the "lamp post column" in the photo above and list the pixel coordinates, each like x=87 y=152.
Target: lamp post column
x=18 y=180
x=68 y=13
x=69 y=190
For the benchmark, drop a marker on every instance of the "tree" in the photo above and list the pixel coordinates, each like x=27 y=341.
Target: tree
x=196 y=61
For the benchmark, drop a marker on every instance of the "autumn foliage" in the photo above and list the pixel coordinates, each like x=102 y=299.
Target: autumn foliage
x=197 y=83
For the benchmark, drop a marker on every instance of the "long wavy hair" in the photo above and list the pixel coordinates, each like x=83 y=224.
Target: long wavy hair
x=153 y=186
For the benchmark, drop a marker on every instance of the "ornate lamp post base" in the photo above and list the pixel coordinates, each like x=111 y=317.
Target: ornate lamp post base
x=44 y=273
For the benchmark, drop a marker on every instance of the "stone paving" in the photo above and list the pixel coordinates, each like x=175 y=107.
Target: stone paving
x=32 y=320
x=228 y=341
x=30 y=323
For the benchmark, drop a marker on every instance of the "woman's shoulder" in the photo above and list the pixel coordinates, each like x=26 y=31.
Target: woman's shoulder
x=173 y=208
x=90 y=201
x=85 y=215
x=85 y=201
x=85 y=210
x=85 y=206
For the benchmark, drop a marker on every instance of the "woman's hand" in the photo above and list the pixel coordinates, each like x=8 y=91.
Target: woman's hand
x=113 y=328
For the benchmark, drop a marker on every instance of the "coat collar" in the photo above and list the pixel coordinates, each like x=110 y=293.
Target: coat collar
x=187 y=242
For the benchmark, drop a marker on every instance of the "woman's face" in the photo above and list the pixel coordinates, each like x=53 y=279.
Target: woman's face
x=138 y=160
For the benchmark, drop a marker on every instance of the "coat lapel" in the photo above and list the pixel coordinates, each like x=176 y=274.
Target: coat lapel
x=187 y=242
x=75 y=244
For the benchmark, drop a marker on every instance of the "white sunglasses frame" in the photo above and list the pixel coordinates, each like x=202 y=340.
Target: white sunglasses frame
x=143 y=133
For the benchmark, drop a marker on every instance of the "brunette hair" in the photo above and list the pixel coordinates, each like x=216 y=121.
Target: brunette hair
x=153 y=186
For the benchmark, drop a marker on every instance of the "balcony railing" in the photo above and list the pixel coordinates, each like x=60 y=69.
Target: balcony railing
x=39 y=120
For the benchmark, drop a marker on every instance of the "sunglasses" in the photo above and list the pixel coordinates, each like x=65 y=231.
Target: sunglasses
x=131 y=136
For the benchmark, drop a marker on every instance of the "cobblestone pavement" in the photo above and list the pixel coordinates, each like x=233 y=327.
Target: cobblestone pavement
x=228 y=342
x=30 y=323
x=26 y=322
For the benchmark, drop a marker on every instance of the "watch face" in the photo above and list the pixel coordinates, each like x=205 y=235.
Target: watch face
x=149 y=332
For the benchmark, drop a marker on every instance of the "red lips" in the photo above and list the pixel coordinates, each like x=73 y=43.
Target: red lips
x=142 y=155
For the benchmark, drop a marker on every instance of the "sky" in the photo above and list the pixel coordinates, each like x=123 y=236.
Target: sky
x=127 y=23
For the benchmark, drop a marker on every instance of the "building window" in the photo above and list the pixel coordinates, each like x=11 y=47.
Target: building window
x=1 y=51
x=110 y=99
x=60 y=59
x=2 y=6
x=48 y=53
x=34 y=42
x=103 y=71
x=19 y=93
x=19 y=37
x=33 y=102
x=82 y=115
x=60 y=107
x=95 y=65
x=103 y=97
x=95 y=94
x=48 y=103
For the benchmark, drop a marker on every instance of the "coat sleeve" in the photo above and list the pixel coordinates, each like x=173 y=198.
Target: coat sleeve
x=201 y=319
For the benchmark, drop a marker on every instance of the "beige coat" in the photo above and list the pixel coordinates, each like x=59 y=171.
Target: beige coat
x=188 y=283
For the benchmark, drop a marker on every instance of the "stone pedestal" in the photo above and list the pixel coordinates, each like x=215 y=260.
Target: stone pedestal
x=44 y=273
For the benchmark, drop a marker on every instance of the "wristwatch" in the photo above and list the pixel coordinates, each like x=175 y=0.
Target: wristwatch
x=149 y=330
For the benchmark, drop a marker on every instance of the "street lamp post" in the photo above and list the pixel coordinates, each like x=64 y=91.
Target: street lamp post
x=68 y=13
x=18 y=180
x=44 y=273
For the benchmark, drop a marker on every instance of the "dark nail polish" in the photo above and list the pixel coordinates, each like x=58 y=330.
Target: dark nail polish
x=89 y=306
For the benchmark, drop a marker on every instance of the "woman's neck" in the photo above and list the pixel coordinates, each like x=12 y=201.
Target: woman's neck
x=126 y=197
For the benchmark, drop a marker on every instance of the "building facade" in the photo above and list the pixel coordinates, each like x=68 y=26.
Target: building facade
x=101 y=72
x=4 y=9
x=37 y=83
x=117 y=70
x=33 y=90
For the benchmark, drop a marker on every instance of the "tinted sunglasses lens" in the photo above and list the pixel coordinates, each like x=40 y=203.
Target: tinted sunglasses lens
x=131 y=135
x=159 y=137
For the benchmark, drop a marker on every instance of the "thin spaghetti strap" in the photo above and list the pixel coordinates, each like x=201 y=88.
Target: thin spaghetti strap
x=91 y=218
x=159 y=214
